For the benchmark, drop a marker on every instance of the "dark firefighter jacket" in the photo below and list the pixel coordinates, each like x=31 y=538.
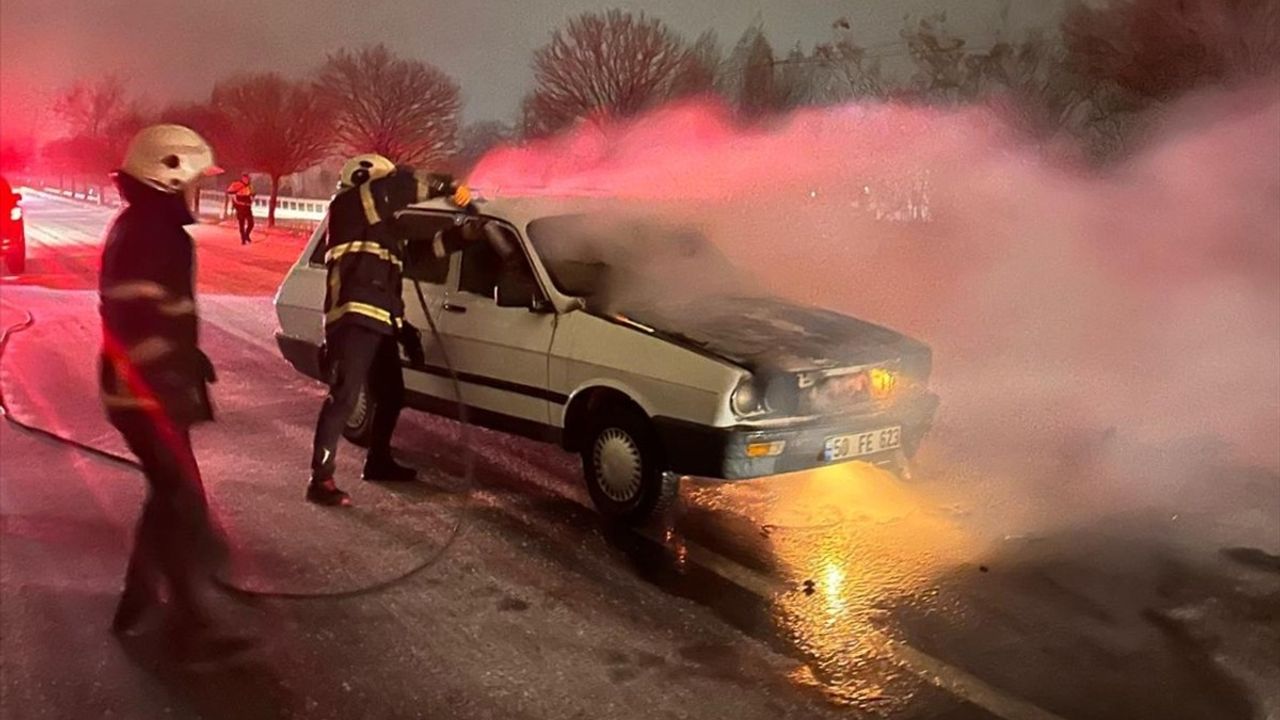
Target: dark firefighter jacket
x=151 y=361
x=365 y=257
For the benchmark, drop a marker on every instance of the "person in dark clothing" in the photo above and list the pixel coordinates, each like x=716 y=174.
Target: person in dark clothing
x=241 y=194
x=364 y=318
x=363 y=321
x=154 y=377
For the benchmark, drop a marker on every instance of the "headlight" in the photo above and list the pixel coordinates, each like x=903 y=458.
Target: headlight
x=746 y=398
x=15 y=213
x=882 y=382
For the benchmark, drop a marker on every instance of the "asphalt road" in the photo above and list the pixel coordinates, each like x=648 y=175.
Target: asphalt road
x=840 y=593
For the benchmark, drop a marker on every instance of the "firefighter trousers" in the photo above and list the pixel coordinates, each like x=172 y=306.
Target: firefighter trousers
x=176 y=544
x=358 y=358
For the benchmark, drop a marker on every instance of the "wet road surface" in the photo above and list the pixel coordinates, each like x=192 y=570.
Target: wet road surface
x=839 y=593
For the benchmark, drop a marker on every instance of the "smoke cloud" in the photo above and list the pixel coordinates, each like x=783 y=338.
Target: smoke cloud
x=1083 y=321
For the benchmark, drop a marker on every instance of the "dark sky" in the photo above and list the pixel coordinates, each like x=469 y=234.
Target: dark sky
x=176 y=49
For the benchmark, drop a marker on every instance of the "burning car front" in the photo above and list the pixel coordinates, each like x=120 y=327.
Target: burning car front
x=818 y=388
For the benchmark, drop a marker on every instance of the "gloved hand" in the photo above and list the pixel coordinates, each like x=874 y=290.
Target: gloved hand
x=411 y=340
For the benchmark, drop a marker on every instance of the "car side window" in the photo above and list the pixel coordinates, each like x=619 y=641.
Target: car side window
x=420 y=261
x=482 y=267
x=317 y=253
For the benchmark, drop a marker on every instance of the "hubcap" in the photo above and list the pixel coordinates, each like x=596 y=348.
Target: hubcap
x=356 y=419
x=618 y=465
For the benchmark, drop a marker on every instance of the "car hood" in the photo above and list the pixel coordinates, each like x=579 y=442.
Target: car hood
x=770 y=335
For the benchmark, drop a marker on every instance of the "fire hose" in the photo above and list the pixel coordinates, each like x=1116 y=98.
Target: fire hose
x=427 y=561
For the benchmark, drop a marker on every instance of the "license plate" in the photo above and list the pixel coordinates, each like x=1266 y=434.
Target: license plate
x=843 y=447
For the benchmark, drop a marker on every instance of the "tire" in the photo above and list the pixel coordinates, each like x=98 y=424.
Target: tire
x=16 y=262
x=623 y=465
x=359 y=427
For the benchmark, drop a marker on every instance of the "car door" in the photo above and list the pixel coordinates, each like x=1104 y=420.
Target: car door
x=299 y=301
x=425 y=272
x=501 y=352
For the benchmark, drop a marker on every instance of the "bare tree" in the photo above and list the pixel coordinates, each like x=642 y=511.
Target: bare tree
x=91 y=107
x=277 y=126
x=758 y=83
x=844 y=70
x=206 y=119
x=1158 y=49
x=477 y=139
x=941 y=59
x=701 y=68
x=17 y=153
x=613 y=64
x=101 y=119
x=404 y=109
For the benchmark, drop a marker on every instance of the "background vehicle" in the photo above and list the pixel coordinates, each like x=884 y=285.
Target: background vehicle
x=13 y=233
x=595 y=338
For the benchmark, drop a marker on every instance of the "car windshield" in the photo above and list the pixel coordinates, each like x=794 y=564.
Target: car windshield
x=606 y=259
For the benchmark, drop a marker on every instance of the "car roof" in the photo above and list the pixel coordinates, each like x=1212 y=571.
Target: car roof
x=522 y=210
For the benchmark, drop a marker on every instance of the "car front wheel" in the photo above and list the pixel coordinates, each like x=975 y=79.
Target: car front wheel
x=623 y=466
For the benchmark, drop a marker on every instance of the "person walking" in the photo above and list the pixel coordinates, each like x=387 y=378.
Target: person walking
x=241 y=194
x=154 y=378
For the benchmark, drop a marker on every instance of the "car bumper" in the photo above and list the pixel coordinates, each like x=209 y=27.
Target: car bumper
x=303 y=355
x=712 y=452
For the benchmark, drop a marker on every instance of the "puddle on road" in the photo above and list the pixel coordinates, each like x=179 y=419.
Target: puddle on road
x=849 y=544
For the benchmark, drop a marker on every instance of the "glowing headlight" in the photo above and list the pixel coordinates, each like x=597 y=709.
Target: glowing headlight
x=746 y=398
x=882 y=382
x=15 y=213
x=766 y=449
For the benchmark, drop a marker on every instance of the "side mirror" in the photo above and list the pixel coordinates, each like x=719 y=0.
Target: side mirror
x=518 y=290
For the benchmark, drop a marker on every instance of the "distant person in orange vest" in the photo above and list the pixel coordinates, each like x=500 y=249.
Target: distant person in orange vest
x=241 y=193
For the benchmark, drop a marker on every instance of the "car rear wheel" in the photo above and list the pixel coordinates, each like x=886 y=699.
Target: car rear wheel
x=623 y=465
x=359 y=427
x=16 y=261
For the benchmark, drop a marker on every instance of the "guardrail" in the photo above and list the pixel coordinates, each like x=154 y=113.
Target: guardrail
x=214 y=203
x=290 y=211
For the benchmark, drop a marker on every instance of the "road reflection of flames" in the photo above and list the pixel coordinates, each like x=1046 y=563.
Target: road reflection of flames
x=855 y=544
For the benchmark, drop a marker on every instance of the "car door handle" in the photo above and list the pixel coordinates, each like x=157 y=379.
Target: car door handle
x=450 y=307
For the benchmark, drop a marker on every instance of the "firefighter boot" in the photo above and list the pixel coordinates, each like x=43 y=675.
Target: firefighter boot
x=383 y=468
x=134 y=604
x=324 y=491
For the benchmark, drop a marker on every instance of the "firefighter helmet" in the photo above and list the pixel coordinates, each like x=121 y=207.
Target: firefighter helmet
x=363 y=168
x=169 y=157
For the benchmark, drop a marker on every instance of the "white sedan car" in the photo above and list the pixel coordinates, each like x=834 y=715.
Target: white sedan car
x=616 y=337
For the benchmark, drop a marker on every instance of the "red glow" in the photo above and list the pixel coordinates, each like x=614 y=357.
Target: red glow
x=1032 y=274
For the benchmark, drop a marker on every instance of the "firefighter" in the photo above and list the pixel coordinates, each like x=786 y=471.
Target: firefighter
x=364 y=321
x=154 y=377
x=241 y=194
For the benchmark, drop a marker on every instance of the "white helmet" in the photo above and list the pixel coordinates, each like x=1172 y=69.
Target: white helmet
x=363 y=168
x=169 y=157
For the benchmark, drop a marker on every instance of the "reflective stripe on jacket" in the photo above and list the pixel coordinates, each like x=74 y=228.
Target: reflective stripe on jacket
x=364 y=256
x=151 y=359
